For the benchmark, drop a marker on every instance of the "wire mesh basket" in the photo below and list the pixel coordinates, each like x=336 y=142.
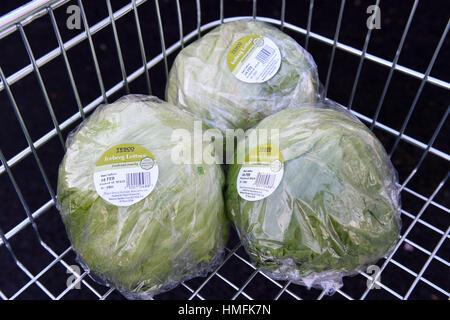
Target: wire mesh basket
x=48 y=91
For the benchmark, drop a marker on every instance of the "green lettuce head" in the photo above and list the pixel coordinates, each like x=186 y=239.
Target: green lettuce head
x=241 y=72
x=139 y=221
x=336 y=208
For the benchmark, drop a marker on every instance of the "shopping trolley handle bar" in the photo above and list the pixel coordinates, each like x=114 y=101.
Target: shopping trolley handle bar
x=29 y=11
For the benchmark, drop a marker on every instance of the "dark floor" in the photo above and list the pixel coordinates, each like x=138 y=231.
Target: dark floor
x=426 y=29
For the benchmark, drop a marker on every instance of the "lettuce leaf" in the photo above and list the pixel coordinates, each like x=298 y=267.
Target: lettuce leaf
x=337 y=207
x=177 y=232
x=201 y=82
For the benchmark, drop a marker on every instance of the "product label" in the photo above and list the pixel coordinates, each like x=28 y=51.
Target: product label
x=261 y=174
x=125 y=174
x=254 y=59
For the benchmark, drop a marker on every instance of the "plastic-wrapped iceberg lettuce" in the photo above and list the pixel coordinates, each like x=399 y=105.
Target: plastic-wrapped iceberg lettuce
x=137 y=220
x=317 y=199
x=241 y=72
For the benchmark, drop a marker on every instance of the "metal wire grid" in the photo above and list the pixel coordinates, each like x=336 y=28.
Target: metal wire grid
x=15 y=21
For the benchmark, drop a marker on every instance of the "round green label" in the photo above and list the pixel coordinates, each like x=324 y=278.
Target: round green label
x=261 y=173
x=253 y=59
x=125 y=174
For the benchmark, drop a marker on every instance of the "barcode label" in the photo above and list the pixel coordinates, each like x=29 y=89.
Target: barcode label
x=138 y=179
x=254 y=59
x=265 y=180
x=264 y=54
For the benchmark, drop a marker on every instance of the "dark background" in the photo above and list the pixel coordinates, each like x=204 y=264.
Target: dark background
x=426 y=29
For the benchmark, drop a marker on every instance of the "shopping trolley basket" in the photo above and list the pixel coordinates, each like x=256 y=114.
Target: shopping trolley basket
x=48 y=87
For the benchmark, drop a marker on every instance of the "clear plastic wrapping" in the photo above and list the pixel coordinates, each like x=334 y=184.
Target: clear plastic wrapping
x=337 y=207
x=241 y=72
x=141 y=233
